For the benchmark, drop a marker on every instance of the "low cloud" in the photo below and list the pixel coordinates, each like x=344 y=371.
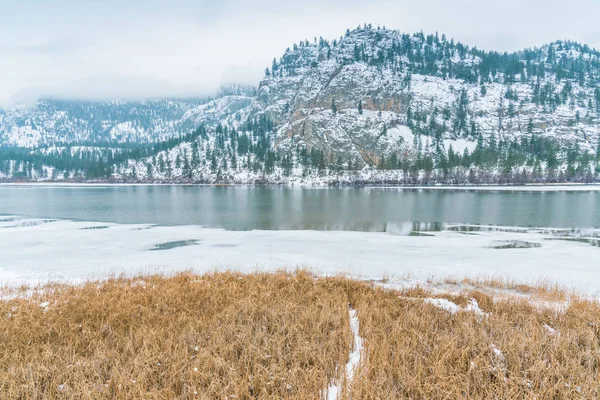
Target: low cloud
x=188 y=48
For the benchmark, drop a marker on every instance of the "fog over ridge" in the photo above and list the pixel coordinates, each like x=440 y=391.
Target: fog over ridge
x=184 y=48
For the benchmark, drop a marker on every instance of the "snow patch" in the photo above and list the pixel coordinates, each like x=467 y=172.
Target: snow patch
x=460 y=145
x=551 y=331
x=453 y=308
x=444 y=304
x=497 y=352
x=334 y=391
x=498 y=362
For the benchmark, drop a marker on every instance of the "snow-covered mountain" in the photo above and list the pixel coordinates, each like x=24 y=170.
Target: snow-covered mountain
x=373 y=104
x=438 y=89
x=59 y=122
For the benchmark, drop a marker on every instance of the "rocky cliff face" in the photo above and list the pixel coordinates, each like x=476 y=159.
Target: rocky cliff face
x=428 y=86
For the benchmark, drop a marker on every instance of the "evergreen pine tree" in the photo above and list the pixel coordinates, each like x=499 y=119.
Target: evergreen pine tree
x=393 y=163
x=169 y=167
x=213 y=163
x=195 y=163
x=460 y=121
x=287 y=164
x=451 y=157
x=551 y=158
x=530 y=126
x=187 y=168
x=381 y=164
x=473 y=132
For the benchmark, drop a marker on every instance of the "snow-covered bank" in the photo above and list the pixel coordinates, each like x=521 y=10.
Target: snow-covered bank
x=94 y=184
x=34 y=251
x=567 y=187
x=564 y=187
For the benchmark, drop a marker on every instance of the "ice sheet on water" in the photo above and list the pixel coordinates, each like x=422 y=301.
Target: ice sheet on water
x=61 y=250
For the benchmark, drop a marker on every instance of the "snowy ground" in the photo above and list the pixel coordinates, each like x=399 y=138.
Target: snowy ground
x=334 y=391
x=566 y=187
x=34 y=251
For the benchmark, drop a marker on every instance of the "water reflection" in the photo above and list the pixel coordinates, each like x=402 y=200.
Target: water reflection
x=483 y=228
x=414 y=228
x=272 y=208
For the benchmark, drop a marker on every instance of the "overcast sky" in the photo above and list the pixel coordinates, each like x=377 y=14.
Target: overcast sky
x=149 y=48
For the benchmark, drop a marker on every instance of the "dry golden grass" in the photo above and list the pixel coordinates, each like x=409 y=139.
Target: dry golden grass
x=542 y=290
x=215 y=336
x=415 y=350
x=286 y=336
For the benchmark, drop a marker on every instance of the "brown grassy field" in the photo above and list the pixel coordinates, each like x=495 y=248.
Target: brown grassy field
x=283 y=335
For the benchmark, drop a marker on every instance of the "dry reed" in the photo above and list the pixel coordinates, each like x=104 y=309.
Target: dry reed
x=214 y=336
x=285 y=335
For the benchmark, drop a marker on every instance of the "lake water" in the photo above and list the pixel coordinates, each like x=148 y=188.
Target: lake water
x=287 y=208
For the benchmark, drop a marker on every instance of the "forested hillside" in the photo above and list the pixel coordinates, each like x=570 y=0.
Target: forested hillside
x=374 y=105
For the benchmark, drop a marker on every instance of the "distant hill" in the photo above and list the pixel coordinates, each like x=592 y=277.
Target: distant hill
x=374 y=105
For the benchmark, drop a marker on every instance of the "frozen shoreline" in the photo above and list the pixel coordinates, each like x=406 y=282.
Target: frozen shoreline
x=564 y=187
x=513 y=188
x=36 y=251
